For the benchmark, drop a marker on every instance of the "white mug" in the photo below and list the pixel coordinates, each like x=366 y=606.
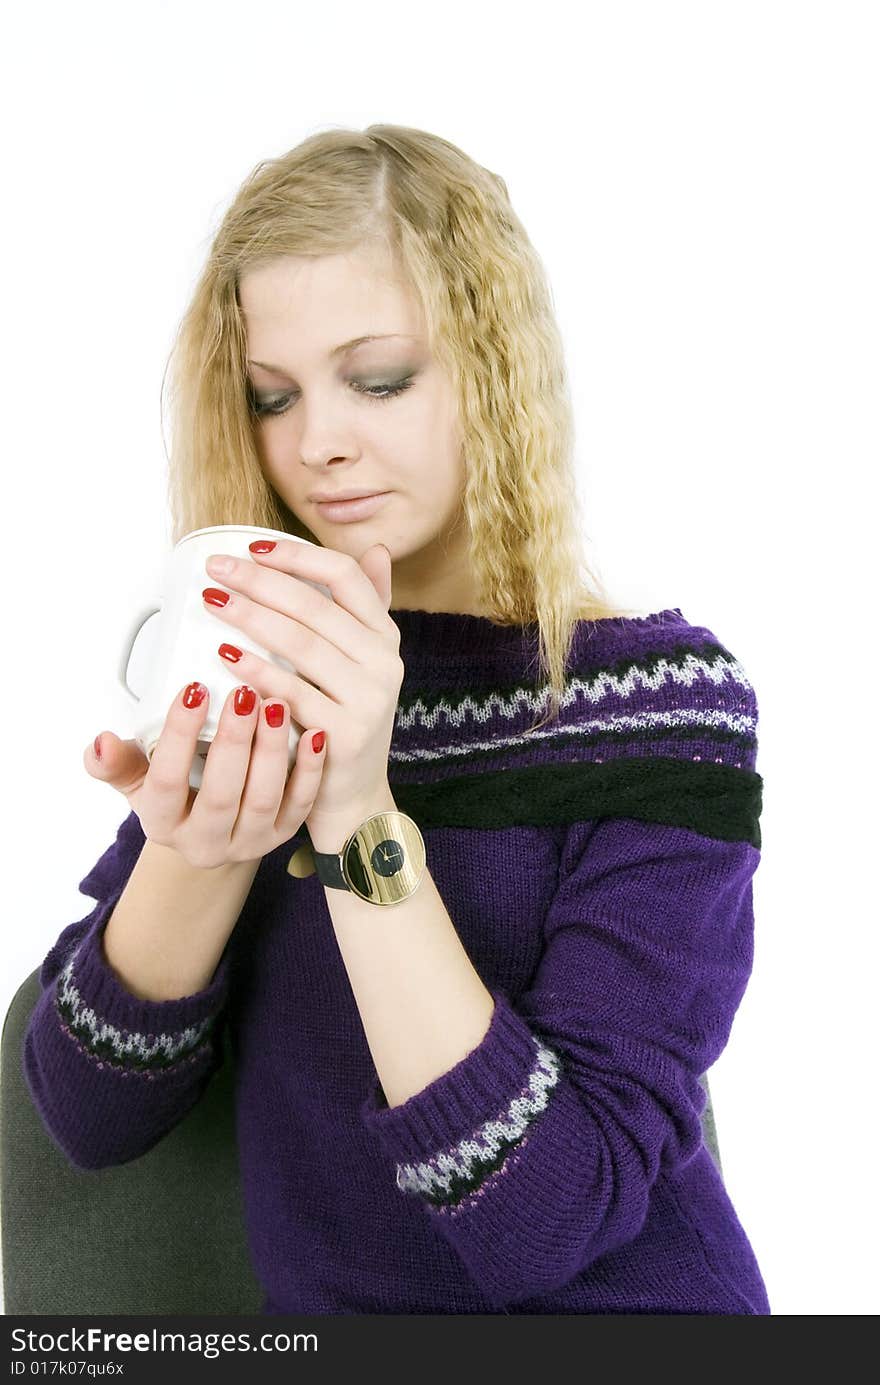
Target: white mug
x=186 y=639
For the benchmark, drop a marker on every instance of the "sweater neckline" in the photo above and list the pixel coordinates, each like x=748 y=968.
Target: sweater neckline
x=436 y=635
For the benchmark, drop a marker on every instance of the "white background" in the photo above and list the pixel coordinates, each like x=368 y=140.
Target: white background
x=700 y=181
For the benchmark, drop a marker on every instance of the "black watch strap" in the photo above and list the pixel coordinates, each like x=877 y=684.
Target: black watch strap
x=328 y=868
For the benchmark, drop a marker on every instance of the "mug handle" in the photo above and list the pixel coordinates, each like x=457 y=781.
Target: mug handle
x=134 y=629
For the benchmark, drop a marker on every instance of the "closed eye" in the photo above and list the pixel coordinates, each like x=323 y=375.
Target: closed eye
x=269 y=408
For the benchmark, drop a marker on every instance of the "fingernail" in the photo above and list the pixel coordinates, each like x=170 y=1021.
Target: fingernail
x=215 y=596
x=262 y=546
x=244 y=700
x=230 y=652
x=219 y=565
x=98 y=745
x=274 y=713
x=194 y=695
x=318 y=742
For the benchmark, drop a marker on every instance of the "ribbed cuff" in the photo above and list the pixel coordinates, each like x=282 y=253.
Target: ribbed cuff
x=122 y=1028
x=455 y=1105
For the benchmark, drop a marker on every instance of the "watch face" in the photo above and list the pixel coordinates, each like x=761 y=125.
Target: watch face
x=387 y=857
x=381 y=867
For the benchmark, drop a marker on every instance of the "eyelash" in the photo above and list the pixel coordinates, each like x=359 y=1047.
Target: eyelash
x=267 y=409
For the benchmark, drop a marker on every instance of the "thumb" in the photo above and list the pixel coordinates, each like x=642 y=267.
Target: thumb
x=376 y=563
x=120 y=763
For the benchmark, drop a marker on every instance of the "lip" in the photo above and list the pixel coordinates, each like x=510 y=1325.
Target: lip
x=331 y=497
x=346 y=511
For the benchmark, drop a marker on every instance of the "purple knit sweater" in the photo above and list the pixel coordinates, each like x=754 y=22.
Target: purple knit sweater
x=599 y=874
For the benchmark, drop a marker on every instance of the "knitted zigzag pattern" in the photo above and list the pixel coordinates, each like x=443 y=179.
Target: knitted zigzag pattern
x=127 y=1050
x=640 y=703
x=452 y=1178
x=665 y=736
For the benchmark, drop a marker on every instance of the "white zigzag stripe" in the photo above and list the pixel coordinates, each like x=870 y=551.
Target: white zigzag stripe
x=126 y=1042
x=685 y=716
x=688 y=672
x=483 y=1147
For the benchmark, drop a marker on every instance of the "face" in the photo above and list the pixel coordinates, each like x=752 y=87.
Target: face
x=379 y=416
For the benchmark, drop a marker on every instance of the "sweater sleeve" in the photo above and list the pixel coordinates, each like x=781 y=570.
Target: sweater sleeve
x=109 y=1073
x=535 y=1155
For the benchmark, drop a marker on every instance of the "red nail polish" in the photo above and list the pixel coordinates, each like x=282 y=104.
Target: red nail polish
x=229 y=651
x=98 y=745
x=215 y=596
x=262 y=545
x=318 y=742
x=244 y=700
x=274 y=713
x=194 y=694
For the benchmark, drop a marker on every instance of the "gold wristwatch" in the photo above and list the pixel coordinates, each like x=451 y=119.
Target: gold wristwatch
x=382 y=861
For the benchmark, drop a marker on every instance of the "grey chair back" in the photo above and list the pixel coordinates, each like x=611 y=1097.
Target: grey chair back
x=164 y=1233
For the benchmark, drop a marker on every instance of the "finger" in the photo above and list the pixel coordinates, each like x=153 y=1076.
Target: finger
x=307 y=703
x=166 y=785
x=309 y=649
x=226 y=765
x=122 y=764
x=302 y=785
x=268 y=591
x=265 y=780
x=348 y=584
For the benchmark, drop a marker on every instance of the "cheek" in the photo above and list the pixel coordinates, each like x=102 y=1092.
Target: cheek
x=432 y=437
x=276 y=448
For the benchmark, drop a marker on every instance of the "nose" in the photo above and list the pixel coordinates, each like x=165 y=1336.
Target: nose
x=324 y=437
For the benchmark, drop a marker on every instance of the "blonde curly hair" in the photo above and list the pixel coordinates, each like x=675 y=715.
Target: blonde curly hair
x=451 y=228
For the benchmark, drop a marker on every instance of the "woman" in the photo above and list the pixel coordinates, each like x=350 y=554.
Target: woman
x=488 y=1097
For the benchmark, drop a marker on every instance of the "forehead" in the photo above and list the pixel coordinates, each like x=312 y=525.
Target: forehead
x=328 y=299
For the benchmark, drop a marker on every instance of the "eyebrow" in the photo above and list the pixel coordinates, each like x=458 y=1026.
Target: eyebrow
x=339 y=350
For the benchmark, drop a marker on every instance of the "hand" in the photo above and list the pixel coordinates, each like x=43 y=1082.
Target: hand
x=246 y=806
x=347 y=647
